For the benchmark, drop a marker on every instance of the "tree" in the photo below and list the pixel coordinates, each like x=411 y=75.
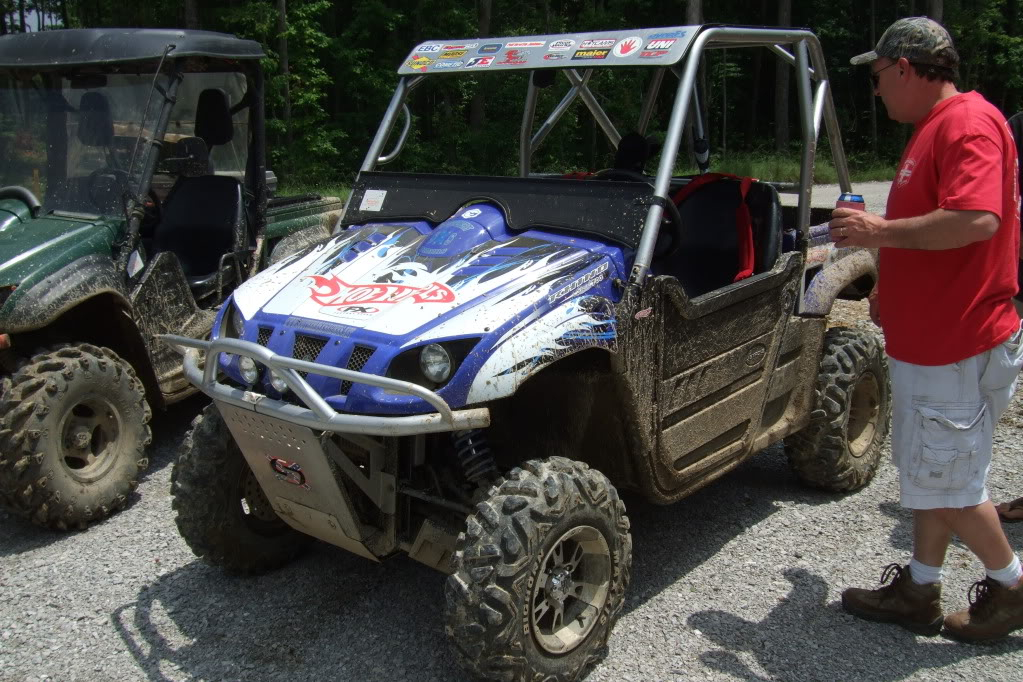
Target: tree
x=282 y=52
x=936 y=10
x=191 y=14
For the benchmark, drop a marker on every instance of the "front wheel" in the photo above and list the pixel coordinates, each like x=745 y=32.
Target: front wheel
x=840 y=448
x=222 y=512
x=540 y=574
x=74 y=425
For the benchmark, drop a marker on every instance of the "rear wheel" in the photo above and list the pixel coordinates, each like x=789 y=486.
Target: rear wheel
x=841 y=446
x=222 y=512
x=74 y=425
x=541 y=573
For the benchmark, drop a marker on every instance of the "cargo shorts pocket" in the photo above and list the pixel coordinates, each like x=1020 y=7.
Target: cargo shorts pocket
x=950 y=439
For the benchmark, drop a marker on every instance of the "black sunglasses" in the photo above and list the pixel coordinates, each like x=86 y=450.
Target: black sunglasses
x=875 y=78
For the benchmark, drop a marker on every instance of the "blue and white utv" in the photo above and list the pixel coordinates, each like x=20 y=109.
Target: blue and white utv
x=471 y=367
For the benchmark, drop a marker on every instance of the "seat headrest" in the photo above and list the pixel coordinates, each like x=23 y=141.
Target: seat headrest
x=213 y=117
x=634 y=150
x=95 y=123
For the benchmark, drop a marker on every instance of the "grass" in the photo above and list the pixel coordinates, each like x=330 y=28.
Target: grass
x=786 y=168
x=327 y=190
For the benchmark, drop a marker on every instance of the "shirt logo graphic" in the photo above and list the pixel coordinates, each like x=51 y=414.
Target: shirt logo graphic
x=905 y=173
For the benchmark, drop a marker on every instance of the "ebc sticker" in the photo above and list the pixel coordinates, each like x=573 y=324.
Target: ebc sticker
x=660 y=44
x=419 y=63
x=479 y=62
x=490 y=48
x=333 y=292
x=527 y=43
x=561 y=45
x=627 y=46
x=289 y=472
x=514 y=57
x=434 y=47
x=591 y=54
x=597 y=43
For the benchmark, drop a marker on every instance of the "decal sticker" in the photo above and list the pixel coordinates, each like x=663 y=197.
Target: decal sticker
x=514 y=57
x=627 y=46
x=591 y=54
x=667 y=34
x=906 y=173
x=585 y=281
x=660 y=44
x=373 y=200
x=452 y=54
x=448 y=65
x=528 y=43
x=357 y=312
x=461 y=46
x=433 y=47
x=289 y=472
x=599 y=42
x=479 y=62
x=335 y=292
x=553 y=56
x=490 y=48
x=561 y=45
x=472 y=213
x=648 y=54
x=419 y=63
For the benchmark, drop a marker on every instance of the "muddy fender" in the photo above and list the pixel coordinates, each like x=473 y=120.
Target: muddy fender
x=841 y=270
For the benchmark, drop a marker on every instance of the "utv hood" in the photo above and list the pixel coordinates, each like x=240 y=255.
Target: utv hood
x=466 y=276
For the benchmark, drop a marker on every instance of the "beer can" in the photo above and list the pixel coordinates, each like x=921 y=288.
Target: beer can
x=853 y=201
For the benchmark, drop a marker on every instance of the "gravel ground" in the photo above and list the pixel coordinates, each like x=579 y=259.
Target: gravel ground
x=739 y=581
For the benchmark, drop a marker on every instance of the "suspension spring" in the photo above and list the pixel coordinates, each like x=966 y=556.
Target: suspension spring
x=473 y=454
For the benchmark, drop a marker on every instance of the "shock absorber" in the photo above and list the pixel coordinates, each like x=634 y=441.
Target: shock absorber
x=473 y=454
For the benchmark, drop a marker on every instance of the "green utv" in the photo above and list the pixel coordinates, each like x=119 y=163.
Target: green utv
x=134 y=198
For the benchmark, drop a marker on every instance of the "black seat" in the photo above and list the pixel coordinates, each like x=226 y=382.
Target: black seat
x=708 y=257
x=200 y=221
x=203 y=216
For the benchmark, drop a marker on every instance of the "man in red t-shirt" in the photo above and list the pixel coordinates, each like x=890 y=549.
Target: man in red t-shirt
x=948 y=246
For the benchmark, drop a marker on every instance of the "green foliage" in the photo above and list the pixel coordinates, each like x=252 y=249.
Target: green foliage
x=343 y=59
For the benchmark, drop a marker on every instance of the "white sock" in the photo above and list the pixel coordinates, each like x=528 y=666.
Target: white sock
x=1010 y=575
x=922 y=574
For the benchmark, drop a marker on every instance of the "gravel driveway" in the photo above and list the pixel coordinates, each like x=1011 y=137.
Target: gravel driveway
x=739 y=581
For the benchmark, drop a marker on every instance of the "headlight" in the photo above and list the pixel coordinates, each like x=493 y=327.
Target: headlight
x=435 y=363
x=277 y=381
x=233 y=326
x=248 y=368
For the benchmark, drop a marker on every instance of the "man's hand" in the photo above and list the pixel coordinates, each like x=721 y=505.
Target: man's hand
x=850 y=227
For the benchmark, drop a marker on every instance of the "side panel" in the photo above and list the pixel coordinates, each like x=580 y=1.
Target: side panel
x=285 y=220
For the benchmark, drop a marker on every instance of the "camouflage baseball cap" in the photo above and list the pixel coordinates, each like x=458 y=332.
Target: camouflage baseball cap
x=919 y=39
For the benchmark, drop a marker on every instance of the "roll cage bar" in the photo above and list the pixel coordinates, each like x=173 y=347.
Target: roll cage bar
x=799 y=48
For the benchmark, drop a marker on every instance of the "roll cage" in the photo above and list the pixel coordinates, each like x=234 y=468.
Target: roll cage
x=679 y=53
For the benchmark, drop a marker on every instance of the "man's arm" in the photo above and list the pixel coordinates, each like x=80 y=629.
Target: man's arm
x=937 y=230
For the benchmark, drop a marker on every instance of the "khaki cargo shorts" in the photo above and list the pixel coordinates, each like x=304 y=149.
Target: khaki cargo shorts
x=943 y=421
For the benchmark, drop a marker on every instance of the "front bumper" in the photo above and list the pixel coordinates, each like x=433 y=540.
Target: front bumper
x=317 y=413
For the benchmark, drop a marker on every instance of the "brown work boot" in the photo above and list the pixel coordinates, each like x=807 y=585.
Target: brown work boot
x=995 y=611
x=915 y=607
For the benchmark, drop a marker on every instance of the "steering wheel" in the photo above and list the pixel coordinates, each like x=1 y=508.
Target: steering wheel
x=621 y=174
x=105 y=185
x=671 y=216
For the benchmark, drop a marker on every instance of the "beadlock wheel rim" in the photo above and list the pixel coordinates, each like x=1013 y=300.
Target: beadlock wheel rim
x=864 y=415
x=570 y=590
x=90 y=434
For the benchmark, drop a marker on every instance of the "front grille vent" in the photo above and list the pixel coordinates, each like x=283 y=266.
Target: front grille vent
x=307 y=348
x=356 y=361
x=263 y=338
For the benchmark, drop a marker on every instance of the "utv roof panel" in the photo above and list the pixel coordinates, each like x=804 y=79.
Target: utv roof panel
x=97 y=46
x=662 y=46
